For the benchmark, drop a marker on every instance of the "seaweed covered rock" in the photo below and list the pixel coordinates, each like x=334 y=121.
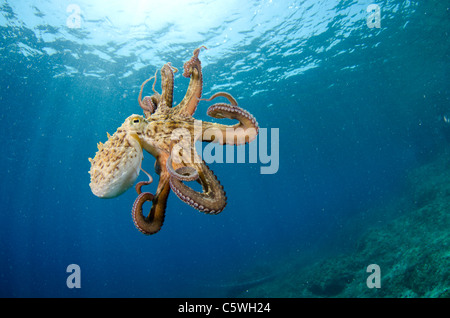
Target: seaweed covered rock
x=412 y=250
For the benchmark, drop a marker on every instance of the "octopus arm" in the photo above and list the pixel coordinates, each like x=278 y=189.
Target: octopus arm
x=150 y=103
x=155 y=219
x=146 y=104
x=243 y=132
x=192 y=69
x=167 y=79
x=213 y=198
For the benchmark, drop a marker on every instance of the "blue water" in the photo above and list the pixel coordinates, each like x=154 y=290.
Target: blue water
x=356 y=108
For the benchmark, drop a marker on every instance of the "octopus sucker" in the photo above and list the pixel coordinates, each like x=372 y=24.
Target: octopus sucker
x=182 y=173
x=213 y=197
x=243 y=132
x=117 y=163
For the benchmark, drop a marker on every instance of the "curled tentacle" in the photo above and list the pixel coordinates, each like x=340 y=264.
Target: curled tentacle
x=192 y=69
x=213 y=198
x=182 y=173
x=167 y=76
x=139 y=220
x=155 y=219
x=193 y=62
x=150 y=103
x=145 y=225
x=144 y=106
x=148 y=106
x=142 y=183
x=245 y=131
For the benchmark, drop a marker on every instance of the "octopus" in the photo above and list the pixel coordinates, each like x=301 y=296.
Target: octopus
x=169 y=134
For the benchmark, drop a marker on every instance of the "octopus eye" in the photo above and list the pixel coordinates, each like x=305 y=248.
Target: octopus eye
x=136 y=120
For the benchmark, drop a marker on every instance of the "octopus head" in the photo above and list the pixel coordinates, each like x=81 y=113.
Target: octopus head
x=117 y=163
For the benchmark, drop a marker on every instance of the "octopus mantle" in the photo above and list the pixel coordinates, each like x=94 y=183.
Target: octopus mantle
x=169 y=134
